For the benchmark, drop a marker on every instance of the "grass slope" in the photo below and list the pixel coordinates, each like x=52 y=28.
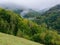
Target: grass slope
x=6 y=39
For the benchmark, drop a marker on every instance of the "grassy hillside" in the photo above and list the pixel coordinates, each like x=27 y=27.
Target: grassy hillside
x=6 y=39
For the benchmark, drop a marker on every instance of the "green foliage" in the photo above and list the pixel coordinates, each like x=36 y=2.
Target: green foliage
x=31 y=14
x=12 y=23
x=51 y=18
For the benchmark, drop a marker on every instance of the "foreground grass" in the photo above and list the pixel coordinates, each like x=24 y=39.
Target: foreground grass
x=6 y=39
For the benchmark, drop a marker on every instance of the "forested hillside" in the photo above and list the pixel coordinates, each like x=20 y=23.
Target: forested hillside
x=32 y=14
x=12 y=23
x=51 y=18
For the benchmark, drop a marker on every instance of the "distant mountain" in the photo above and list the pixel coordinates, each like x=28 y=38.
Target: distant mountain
x=57 y=8
x=32 y=14
x=43 y=10
x=9 y=6
x=14 y=7
x=21 y=9
x=51 y=18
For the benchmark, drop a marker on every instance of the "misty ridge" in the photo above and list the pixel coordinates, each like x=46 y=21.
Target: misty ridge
x=35 y=22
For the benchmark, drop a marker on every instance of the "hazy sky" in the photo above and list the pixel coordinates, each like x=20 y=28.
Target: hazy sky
x=34 y=4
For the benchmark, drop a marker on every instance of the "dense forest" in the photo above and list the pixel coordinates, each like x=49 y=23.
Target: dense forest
x=50 y=17
x=14 y=24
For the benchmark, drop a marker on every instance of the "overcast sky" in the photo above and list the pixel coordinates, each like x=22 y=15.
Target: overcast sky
x=34 y=4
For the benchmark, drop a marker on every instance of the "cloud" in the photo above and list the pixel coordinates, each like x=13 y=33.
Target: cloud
x=34 y=4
